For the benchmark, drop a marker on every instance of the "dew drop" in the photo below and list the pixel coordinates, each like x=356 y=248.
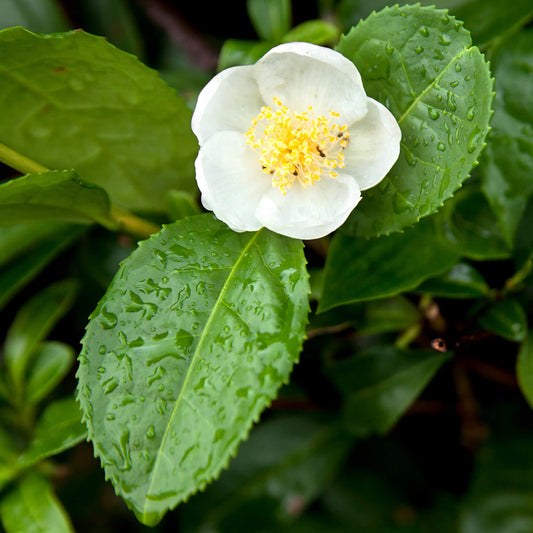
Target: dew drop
x=424 y=30
x=458 y=67
x=150 y=432
x=441 y=146
x=474 y=139
x=410 y=158
x=102 y=350
x=454 y=83
x=445 y=40
x=451 y=101
x=389 y=48
x=433 y=113
x=471 y=112
x=419 y=49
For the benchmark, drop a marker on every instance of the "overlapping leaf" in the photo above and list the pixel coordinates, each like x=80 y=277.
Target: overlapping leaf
x=419 y=62
x=192 y=340
x=72 y=100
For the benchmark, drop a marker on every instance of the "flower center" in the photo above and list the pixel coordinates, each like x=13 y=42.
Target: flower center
x=297 y=146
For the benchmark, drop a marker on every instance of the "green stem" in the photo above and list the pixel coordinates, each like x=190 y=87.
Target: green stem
x=127 y=221
x=520 y=275
x=18 y=161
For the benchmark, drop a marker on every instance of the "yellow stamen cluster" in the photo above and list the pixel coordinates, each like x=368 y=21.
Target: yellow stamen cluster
x=297 y=146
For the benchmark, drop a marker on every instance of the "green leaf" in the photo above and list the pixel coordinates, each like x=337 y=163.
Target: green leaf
x=271 y=18
x=98 y=110
x=469 y=225
x=236 y=52
x=181 y=204
x=419 y=62
x=8 y=457
x=113 y=19
x=37 y=15
x=488 y=21
x=46 y=243
x=507 y=319
x=357 y=269
x=313 y=31
x=290 y=459
x=462 y=281
x=33 y=323
x=524 y=368
x=192 y=340
x=51 y=363
x=507 y=165
x=381 y=383
x=32 y=507
x=59 y=428
x=50 y=196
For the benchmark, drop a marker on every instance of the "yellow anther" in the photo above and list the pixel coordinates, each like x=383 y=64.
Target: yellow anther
x=296 y=146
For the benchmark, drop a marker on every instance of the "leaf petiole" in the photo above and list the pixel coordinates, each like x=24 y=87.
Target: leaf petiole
x=126 y=221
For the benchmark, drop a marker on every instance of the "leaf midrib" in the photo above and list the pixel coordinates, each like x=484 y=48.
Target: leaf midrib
x=194 y=359
x=433 y=83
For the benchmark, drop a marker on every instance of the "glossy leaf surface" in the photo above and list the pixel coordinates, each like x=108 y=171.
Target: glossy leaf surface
x=50 y=196
x=191 y=342
x=419 y=62
x=359 y=269
x=271 y=18
x=73 y=100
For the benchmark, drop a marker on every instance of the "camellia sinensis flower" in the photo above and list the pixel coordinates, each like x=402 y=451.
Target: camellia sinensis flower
x=290 y=142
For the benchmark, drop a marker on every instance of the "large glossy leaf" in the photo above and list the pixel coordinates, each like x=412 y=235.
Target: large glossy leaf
x=58 y=429
x=192 y=340
x=32 y=507
x=507 y=165
x=73 y=100
x=54 y=195
x=419 y=62
x=357 y=269
x=381 y=383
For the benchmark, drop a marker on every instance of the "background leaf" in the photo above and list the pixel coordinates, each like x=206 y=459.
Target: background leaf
x=381 y=383
x=73 y=100
x=524 y=368
x=441 y=99
x=40 y=244
x=505 y=318
x=51 y=363
x=507 y=165
x=33 y=323
x=44 y=16
x=191 y=341
x=271 y=18
x=32 y=507
x=357 y=269
x=58 y=429
x=51 y=196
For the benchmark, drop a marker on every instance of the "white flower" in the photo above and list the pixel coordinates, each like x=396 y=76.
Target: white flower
x=290 y=142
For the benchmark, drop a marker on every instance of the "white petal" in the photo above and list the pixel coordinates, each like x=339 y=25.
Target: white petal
x=373 y=147
x=228 y=102
x=302 y=74
x=230 y=179
x=311 y=212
